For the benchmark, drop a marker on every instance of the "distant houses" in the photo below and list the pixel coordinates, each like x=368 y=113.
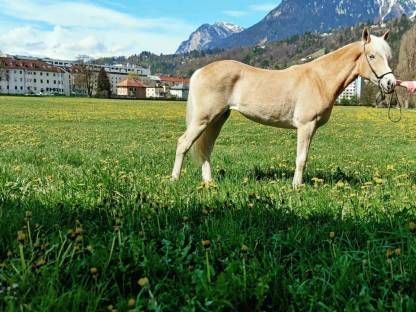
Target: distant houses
x=21 y=75
x=155 y=87
x=131 y=88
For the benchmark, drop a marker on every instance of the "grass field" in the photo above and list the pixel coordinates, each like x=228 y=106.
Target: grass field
x=90 y=221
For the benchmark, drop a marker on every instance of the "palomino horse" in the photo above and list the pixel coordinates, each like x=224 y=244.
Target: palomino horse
x=300 y=97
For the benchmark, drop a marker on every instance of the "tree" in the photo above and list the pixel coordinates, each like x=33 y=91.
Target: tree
x=103 y=84
x=406 y=69
x=134 y=76
x=85 y=78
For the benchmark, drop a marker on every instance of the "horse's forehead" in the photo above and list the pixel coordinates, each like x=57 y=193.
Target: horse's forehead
x=380 y=45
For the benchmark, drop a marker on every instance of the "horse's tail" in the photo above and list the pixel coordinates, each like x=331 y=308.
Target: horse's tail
x=202 y=148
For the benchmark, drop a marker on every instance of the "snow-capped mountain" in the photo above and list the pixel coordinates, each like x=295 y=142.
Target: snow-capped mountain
x=207 y=34
x=293 y=17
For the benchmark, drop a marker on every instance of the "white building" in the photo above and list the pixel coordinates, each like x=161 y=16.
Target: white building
x=32 y=77
x=353 y=90
x=180 y=91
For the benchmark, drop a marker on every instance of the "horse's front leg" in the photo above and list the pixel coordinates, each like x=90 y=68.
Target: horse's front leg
x=305 y=134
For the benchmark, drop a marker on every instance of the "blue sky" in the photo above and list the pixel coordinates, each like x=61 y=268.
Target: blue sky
x=68 y=28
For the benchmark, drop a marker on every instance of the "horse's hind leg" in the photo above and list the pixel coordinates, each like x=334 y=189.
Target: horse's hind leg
x=203 y=147
x=305 y=134
x=185 y=142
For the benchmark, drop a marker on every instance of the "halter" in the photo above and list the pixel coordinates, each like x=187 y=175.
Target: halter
x=382 y=95
x=379 y=78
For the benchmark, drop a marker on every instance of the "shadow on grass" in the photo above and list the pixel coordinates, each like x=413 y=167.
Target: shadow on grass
x=163 y=242
x=260 y=174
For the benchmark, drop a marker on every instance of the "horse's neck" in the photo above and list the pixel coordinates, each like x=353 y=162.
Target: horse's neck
x=338 y=69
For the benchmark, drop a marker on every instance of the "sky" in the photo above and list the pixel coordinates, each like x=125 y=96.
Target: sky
x=68 y=28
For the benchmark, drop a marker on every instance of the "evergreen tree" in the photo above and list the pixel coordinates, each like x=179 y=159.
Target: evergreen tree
x=103 y=84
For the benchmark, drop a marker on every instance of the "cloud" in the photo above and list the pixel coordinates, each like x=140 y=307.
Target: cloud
x=69 y=28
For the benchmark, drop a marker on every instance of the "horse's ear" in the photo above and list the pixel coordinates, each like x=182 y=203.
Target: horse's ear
x=366 y=35
x=386 y=35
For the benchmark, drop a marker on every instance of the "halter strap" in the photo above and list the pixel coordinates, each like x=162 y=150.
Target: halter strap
x=371 y=67
x=382 y=95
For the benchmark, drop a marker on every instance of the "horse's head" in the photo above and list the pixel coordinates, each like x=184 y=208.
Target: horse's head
x=375 y=61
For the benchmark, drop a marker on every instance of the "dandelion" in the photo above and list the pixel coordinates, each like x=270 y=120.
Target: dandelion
x=331 y=234
x=412 y=227
x=143 y=282
x=40 y=262
x=132 y=302
x=21 y=236
x=340 y=184
x=378 y=180
x=244 y=249
x=206 y=244
x=389 y=253
x=93 y=271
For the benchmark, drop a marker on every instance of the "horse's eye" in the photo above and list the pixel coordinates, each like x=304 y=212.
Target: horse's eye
x=372 y=57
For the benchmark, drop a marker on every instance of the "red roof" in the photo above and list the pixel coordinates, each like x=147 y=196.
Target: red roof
x=130 y=82
x=174 y=79
x=10 y=63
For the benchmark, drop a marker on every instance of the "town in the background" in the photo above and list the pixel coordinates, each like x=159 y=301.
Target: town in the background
x=22 y=75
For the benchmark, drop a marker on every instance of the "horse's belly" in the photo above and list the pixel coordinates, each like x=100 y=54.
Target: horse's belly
x=266 y=116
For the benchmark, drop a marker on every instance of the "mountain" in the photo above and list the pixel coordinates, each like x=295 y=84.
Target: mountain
x=208 y=34
x=294 y=17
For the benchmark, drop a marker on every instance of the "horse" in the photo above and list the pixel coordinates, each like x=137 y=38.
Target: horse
x=300 y=97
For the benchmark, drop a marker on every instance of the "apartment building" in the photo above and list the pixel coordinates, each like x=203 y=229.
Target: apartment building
x=26 y=76
x=353 y=90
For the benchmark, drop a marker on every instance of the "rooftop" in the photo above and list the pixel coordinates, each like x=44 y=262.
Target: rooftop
x=35 y=65
x=131 y=83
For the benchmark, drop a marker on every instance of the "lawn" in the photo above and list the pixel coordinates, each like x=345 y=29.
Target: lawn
x=90 y=221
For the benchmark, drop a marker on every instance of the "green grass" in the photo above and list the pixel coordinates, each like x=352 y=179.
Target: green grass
x=88 y=215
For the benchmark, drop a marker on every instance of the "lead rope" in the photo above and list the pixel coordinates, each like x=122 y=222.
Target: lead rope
x=382 y=96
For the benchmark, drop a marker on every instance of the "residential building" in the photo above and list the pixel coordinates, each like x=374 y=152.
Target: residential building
x=180 y=91
x=27 y=76
x=131 y=88
x=173 y=81
x=352 y=91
